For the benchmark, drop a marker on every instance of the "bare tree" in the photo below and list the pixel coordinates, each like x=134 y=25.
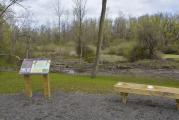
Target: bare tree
x=79 y=12
x=65 y=25
x=26 y=25
x=11 y=3
x=100 y=38
x=13 y=36
x=7 y=15
x=59 y=10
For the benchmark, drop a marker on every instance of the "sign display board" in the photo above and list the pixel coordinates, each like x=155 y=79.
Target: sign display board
x=35 y=66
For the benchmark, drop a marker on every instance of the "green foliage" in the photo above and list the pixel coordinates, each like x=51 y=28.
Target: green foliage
x=112 y=50
x=5 y=38
x=127 y=49
x=20 y=49
x=148 y=36
x=157 y=64
x=112 y=59
x=171 y=49
x=170 y=57
x=121 y=49
x=170 y=29
x=89 y=53
x=137 y=53
x=133 y=38
x=107 y=35
x=12 y=82
x=52 y=49
x=8 y=61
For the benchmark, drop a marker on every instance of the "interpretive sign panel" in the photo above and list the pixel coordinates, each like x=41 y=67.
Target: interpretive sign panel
x=35 y=66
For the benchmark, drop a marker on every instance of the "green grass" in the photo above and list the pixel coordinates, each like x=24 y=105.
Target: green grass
x=170 y=56
x=112 y=58
x=12 y=82
x=5 y=63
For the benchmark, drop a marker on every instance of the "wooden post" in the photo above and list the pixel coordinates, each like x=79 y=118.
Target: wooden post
x=28 y=87
x=124 y=97
x=46 y=86
x=177 y=103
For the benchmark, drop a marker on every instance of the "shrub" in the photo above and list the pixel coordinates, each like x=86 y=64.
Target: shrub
x=112 y=50
x=126 y=48
x=89 y=53
x=121 y=50
x=112 y=59
x=170 y=50
x=8 y=61
x=138 y=53
x=149 y=36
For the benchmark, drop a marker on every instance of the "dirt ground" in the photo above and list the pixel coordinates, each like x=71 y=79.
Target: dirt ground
x=82 y=106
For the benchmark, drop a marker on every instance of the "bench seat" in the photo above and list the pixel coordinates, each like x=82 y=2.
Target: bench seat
x=151 y=90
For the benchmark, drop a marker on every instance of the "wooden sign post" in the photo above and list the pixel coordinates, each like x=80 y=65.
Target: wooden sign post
x=28 y=85
x=46 y=86
x=36 y=67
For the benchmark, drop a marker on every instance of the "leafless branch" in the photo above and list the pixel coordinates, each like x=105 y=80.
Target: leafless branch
x=12 y=2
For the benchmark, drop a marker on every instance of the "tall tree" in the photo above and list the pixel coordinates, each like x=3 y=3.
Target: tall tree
x=65 y=25
x=120 y=27
x=14 y=37
x=26 y=28
x=100 y=38
x=80 y=11
x=148 y=35
x=59 y=10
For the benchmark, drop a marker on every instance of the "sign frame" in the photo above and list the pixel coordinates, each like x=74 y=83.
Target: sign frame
x=29 y=66
x=26 y=71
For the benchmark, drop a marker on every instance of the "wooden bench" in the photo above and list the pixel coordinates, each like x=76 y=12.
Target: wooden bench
x=125 y=88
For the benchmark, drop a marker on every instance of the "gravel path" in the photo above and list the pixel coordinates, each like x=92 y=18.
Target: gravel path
x=81 y=106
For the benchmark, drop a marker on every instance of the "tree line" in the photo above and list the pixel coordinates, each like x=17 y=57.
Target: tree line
x=146 y=36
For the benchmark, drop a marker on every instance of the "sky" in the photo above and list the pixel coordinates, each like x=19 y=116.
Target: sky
x=43 y=10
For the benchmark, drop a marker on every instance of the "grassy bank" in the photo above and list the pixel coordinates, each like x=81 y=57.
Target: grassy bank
x=170 y=57
x=12 y=82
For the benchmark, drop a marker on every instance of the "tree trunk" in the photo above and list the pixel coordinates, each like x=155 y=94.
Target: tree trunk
x=59 y=35
x=80 y=41
x=151 y=53
x=13 y=43
x=100 y=38
x=1 y=34
x=28 y=47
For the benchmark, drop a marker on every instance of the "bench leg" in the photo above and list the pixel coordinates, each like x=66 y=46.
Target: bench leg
x=177 y=103
x=124 y=97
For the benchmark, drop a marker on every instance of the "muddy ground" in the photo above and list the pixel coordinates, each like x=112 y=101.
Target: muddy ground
x=81 y=106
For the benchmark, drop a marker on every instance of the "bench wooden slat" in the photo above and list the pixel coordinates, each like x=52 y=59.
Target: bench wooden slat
x=151 y=90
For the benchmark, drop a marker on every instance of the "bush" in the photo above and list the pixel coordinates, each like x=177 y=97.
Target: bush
x=170 y=50
x=112 y=59
x=121 y=50
x=139 y=53
x=112 y=50
x=126 y=48
x=136 y=53
x=132 y=50
x=89 y=53
x=8 y=61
